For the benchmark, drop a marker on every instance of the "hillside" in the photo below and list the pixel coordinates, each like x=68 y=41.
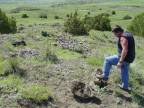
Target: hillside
x=41 y=64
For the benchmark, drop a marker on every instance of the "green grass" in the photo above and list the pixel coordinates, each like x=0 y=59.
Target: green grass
x=35 y=92
x=67 y=55
x=11 y=80
x=95 y=61
x=4 y=67
x=101 y=44
x=65 y=9
x=11 y=84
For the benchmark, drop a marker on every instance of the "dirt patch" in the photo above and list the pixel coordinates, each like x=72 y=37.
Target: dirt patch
x=29 y=103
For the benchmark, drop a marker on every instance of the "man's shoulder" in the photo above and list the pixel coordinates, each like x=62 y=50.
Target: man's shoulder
x=127 y=34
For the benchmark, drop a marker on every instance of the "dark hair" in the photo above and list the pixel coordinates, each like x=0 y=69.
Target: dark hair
x=117 y=29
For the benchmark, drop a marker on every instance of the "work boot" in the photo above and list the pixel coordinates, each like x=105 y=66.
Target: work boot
x=125 y=89
x=101 y=83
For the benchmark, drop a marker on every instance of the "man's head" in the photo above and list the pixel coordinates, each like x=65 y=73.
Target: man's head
x=117 y=30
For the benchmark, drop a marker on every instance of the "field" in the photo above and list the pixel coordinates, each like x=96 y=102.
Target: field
x=30 y=78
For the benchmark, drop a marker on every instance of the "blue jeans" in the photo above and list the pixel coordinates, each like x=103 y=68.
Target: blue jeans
x=113 y=60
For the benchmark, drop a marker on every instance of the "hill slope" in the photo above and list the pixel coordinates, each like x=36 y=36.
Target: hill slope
x=41 y=72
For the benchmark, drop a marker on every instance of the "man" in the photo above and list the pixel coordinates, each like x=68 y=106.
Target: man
x=126 y=55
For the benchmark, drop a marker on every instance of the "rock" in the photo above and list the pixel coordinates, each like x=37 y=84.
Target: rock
x=18 y=43
x=83 y=93
x=28 y=52
x=45 y=34
x=119 y=101
x=82 y=89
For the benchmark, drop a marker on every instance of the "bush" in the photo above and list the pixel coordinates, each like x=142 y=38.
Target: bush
x=99 y=22
x=43 y=16
x=25 y=16
x=7 y=25
x=75 y=25
x=136 y=25
x=127 y=17
x=113 y=12
x=9 y=66
x=78 y=26
x=88 y=13
x=14 y=64
x=57 y=17
x=51 y=57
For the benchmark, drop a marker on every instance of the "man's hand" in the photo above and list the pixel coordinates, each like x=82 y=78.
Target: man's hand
x=119 y=65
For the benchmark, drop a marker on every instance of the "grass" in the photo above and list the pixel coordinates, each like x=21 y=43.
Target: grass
x=4 y=68
x=67 y=55
x=101 y=44
x=11 y=84
x=35 y=92
x=95 y=61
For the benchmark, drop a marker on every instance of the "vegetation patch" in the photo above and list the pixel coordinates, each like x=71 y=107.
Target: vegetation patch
x=7 y=25
x=136 y=25
x=35 y=94
x=18 y=9
x=25 y=16
x=10 y=84
x=43 y=15
x=67 y=55
x=127 y=17
x=74 y=24
x=80 y=26
x=95 y=61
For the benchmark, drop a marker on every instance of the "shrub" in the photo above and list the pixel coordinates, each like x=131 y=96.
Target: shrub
x=78 y=26
x=42 y=16
x=57 y=17
x=25 y=16
x=88 y=13
x=136 y=25
x=75 y=25
x=127 y=17
x=7 y=25
x=99 y=22
x=8 y=66
x=113 y=12
x=51 y=57
x=14 y=64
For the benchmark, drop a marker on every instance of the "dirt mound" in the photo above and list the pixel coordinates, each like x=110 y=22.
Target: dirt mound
x=84 y=93
x=81 y=89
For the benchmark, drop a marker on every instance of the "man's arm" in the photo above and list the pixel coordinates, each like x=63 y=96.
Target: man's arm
x=124 y=44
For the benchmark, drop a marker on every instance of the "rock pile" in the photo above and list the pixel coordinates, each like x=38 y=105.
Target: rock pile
x=72 y=44
x=28 y=52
